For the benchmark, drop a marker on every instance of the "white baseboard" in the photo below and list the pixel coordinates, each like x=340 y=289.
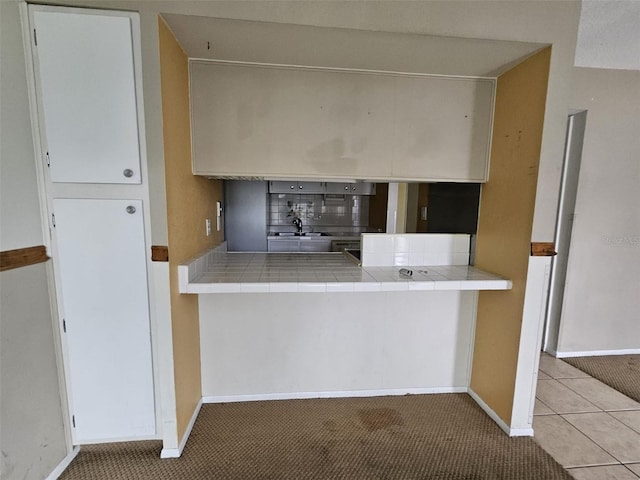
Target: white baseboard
x=62 y=466
x=512 y=432
x=176 y=452
x=334 y=394
x=598 y=353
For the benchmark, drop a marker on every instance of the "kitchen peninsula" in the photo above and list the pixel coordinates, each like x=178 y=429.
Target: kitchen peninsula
x=390 y=263
x=323 y=326
x=221 y=272
x=255 y=114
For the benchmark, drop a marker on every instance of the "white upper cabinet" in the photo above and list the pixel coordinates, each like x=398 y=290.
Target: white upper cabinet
x=86 y=79
x=256 y=120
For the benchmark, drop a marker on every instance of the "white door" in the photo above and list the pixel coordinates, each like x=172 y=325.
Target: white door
x=85 y=73
x=103 y=287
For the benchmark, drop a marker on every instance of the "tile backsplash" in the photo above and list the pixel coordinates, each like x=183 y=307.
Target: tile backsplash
x=415 y=249
x=318 y=210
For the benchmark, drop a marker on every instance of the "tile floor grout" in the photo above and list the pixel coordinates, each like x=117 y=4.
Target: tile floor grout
x=584 y=457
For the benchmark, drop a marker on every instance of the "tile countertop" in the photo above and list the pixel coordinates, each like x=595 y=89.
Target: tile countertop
x=238 y=272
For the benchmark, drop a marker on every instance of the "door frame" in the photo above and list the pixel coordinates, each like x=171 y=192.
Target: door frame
x=47 y=191
x=569 y=184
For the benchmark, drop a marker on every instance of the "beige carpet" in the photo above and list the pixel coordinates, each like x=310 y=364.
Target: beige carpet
x=392 y=438
x=621 y=372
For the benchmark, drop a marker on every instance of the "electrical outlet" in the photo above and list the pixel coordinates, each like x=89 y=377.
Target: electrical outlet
x=207 y=224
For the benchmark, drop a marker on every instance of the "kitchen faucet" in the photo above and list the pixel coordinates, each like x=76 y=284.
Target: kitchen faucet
x=298 y=223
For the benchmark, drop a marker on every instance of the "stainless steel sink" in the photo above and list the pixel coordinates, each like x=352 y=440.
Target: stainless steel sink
x=301 y=234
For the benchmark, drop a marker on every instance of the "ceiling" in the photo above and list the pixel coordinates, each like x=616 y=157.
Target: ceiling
x=609 y=35
x=302 y=45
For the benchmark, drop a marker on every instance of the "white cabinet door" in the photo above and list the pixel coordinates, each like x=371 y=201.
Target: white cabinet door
x=252 y=120
x=85 y=72
x=103 y=287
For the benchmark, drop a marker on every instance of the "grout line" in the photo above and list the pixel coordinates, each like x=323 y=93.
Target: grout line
x=595 y=465
x=567 y=467
x=586 y=435
x=591 y=465
x=604 y=384
x=617 y=462
x=553 y=412
x=635 y=409
x=626 y=465
x=632 y=428
x=552 y=377
x=586 y=399
x=623 y=425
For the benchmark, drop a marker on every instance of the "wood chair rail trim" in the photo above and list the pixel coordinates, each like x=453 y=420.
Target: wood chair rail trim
x=22 y=257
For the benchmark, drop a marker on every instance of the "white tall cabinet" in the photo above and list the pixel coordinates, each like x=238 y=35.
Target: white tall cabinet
x=91 y=138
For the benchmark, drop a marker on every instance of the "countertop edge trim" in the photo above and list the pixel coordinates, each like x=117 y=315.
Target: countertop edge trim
x=347 y=287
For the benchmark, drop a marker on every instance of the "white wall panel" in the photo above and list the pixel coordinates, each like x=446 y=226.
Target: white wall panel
x=601 y=308
x=32 y=438
x=307 y=342
x=19 y=208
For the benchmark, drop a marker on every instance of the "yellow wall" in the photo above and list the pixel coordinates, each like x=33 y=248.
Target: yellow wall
x=190 y=200
x=505 y=225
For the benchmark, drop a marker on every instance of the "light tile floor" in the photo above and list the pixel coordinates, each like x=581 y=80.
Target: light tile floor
x=589 y=428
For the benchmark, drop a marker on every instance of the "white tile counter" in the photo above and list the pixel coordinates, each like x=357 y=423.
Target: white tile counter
x=237 y=272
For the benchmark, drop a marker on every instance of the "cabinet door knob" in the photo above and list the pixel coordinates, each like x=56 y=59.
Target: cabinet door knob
x=131 y=209
x=128 y=172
